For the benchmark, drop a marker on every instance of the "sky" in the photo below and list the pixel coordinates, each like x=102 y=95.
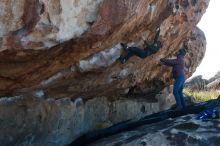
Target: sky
x=210 y=24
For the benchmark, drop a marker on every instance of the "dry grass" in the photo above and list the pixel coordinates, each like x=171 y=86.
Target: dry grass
x=202 y=95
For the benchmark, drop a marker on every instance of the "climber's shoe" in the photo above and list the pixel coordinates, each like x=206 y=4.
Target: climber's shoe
x=124 y=46
x=122 y=59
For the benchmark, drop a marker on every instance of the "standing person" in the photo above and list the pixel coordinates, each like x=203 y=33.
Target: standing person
x=178 y=75
x=142 y=53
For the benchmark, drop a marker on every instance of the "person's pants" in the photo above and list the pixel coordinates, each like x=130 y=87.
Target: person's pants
x=136 y=51
x=178 y=91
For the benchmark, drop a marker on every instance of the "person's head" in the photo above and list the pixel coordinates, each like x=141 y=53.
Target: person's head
x=182 y=51
x=158 y=44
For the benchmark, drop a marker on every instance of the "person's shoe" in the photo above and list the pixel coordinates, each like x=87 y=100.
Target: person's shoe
x=122 y=60
x=124 y=46
x=173 y=107
x=158 y=29
x=178 y=108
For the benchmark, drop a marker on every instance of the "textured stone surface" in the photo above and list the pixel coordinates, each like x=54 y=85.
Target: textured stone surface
x=41 y=24
x=37 y=121
x=214 y=85
x=197 y=83
x=54 y=51
x=166 y=98
x=214 y=82
x=216 y=76
x=85 y=64
x=183 y=131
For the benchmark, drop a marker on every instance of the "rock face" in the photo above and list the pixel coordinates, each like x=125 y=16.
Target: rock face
x=55 y=52
x=216 y=76
x=197 y=83
x=215 y=85
x=178 y=132
x=69 y=48
x=41 y=24
x=214 y=82
x=34 y=121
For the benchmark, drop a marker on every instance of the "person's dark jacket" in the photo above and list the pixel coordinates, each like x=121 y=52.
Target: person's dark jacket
x=151 y=48
x=177 y=64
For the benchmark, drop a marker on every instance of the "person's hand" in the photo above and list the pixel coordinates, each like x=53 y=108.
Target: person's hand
x=157 y=60
x=161 y=61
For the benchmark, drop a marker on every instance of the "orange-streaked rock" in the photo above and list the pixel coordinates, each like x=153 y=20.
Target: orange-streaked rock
x=70 y=48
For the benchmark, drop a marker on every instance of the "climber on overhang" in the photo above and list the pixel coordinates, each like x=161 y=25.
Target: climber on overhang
x=148 y=50
x=178 y=75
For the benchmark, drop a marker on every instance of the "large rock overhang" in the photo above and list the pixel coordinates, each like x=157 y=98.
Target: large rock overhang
x=70 y=48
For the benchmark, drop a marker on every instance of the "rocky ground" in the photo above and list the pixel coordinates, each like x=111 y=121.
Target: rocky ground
x=182 y=131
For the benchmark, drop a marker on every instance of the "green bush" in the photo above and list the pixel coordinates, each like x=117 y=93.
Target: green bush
x=202 y=95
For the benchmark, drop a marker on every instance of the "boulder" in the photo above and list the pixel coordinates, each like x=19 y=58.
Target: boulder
x=57 y=57
x=26 y=121
x=185 y=130
x=69 y=48
x=196 y=83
